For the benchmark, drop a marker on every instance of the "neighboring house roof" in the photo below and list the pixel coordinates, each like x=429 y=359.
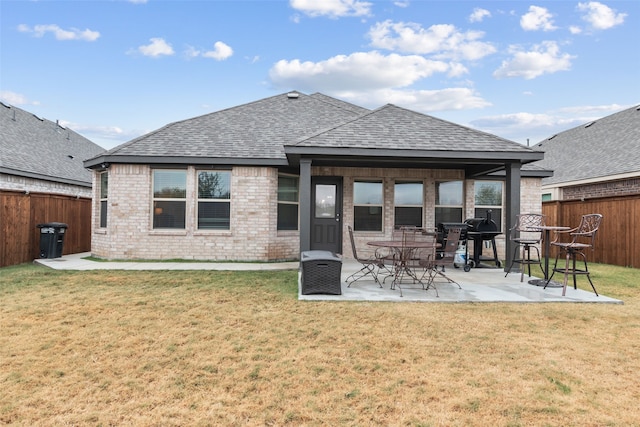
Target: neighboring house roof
x=38 y=148
x=607 y=147
x=279 y=130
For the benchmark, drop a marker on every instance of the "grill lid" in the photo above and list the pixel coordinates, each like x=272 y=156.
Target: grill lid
x=482 y=224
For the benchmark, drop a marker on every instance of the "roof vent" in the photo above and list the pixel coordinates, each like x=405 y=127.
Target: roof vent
x=550 y=138
x=589 y=124
x=293 y=95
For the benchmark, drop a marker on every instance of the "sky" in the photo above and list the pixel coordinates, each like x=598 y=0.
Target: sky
x=113 y=70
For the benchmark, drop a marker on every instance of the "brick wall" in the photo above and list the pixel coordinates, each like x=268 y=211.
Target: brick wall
x=603 y=189
x=253 y=233
x=252 y=236
x=32 y=185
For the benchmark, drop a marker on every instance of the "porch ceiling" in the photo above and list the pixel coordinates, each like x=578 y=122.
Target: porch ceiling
x=476 y=165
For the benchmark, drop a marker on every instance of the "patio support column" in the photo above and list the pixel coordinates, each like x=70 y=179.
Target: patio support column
x=512 y=206
x=305 y=205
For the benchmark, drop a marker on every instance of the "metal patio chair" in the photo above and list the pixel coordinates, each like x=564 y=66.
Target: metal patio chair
x=370 y=265
x=581 y=238
x=448 y=255
x=526 y=234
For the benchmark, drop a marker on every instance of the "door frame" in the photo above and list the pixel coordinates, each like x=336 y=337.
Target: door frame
x=334 y=243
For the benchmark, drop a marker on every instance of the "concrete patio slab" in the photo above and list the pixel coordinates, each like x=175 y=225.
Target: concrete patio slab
x=478 y=285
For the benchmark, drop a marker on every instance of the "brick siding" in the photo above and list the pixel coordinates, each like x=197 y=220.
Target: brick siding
x=602 y=189
x=32 y=185
x=253 y=233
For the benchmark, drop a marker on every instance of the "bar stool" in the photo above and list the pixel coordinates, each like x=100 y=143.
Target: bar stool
x=526 y=235
x=582 y=237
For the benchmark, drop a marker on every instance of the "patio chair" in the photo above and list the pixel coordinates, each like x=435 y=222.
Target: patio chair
x=448 y=255
x=369 y=265
x=526 y=236
x=581 y=238
x=388 y=256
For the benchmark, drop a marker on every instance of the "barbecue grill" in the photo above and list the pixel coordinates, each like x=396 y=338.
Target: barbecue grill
x=482 y=230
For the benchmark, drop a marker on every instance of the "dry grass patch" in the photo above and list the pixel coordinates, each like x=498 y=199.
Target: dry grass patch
x=238 y=348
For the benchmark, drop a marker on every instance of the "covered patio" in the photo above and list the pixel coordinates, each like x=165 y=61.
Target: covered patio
x=478 y=285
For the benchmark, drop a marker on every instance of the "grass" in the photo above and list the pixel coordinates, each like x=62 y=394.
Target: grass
x=238 y=348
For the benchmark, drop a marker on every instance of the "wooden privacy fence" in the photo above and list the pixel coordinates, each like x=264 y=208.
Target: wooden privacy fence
x=20 y=213
x=618 y=239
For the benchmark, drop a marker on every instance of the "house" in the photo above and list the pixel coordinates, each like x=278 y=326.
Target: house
x=42 y=179
x=38 y=155
x=270 y=178
x=597 y=170
x=599 y=158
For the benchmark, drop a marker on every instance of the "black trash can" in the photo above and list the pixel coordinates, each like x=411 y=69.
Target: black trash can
x=321 y=273
x=52 y=239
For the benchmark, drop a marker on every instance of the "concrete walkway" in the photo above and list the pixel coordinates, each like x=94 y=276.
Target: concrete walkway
x=478 y=285
x=78 y=262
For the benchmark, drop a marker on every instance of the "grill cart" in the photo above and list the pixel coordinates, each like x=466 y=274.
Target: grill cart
x=480 y=230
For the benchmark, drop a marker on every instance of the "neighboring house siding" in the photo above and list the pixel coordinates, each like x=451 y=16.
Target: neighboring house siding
x=19 y=183
x=603 y=189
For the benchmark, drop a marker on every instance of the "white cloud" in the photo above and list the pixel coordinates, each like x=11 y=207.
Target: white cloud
x=538 y=126
x=403 y=4
x=332 y=8
x=138 y=1
x=600 y=16
x=544 y=58
x=574 y=29
x=479 y=14
x=538 y=18
x=424 y=101
x=373 y=79
x=14 y=98
x=357 y=71
x=59 y=33
x=220 y=52
x=156 y=48
x=442 y=40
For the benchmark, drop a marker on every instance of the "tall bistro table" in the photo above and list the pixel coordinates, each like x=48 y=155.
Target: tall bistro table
x=547 y=229
x=404 y=251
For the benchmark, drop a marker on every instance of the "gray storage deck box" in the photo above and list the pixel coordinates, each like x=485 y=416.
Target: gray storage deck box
x=321 y=273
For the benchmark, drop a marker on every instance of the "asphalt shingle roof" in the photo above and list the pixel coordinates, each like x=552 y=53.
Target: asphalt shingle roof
x=392 y=127
x=257 y=130
x=267 y=130
x=607 y=146
x=38 y=148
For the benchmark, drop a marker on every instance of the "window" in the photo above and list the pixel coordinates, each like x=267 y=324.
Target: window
x=288 y=202
x=169 y=198
x=367 y=206
x=449 y=201
x=214 y=200
x=408 y=204
x=104 y=193
x=488 y=197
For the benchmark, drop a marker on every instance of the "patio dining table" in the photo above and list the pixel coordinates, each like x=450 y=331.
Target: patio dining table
x=404 y=251
x=547 y=229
